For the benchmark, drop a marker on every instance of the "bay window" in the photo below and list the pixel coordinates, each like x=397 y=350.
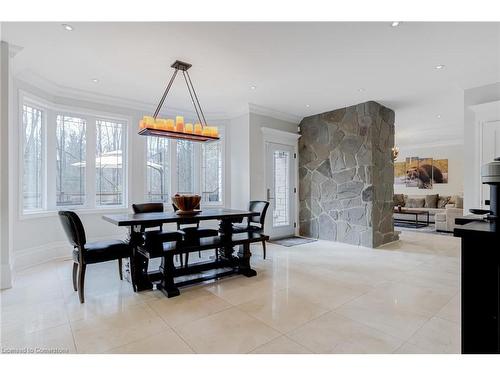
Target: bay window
x=69 y=159
x=72 y=159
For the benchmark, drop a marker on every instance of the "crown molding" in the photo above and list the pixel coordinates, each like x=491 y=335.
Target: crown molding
x=487 y=111
x=264 y=111
x=275 y=135
x=451 y=142
x=59 y=91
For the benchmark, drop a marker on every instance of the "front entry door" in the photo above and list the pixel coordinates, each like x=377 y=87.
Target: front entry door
x=281 y=190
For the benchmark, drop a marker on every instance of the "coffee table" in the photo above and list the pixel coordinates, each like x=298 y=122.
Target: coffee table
x=413 y=218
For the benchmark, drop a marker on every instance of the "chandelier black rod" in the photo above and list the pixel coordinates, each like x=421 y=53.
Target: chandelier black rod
x=192 y=99
x=165 y=94
x=196 y=97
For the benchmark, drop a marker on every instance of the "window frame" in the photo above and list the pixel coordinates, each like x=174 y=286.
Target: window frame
x=53 y=192
x=170 y=158
x=49 y=126
x=125 y=161
x=40 y=105
x=222 y=134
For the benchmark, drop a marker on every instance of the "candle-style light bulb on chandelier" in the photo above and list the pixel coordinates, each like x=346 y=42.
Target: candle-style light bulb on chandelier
x=177 y=129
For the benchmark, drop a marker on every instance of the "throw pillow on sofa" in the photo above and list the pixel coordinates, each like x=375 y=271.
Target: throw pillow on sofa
x=459 y=202
x=399 y=200
x=431 y=200
x=415 y=202
x=443 y=201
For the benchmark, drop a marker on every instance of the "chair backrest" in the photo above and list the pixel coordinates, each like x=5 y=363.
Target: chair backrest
x=147 y=207
x=73 y=228
x=143 y=208
x=182 y=223
x=261 y=208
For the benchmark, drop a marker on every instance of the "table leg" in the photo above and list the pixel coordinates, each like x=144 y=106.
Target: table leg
x=244 y=255
x=138 y=263
x=167 y=285
x=226 y=231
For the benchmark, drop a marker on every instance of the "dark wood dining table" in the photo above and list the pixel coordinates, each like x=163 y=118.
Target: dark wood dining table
x=142 y=279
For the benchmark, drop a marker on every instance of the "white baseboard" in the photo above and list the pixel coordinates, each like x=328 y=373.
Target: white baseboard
x=5 y=276
x=57 y=250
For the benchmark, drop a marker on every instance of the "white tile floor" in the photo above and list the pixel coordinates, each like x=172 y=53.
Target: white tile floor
x=319 y=297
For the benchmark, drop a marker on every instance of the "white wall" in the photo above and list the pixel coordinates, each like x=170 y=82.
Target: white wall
x=257 y=150
x=240 y=161
x=472 y=118
x=248 y=154
x=454 y=154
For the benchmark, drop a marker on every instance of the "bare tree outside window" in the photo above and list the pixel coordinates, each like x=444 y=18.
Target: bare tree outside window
x=211 y=172
x=32 y=158
x=109 y=163
x=158 y=170
x=70 y=159
x=185 y=167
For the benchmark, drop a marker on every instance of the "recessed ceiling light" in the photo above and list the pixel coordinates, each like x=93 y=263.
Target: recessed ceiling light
x=438 y=116
x=438 y=67
x=253 y=87
x=67 y=27
x=395 y=24
x=361 y=89
x=308 y=105
x=95 y=80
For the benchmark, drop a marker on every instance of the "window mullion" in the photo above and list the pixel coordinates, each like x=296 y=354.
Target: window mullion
x=51 y=159
x=90 y=176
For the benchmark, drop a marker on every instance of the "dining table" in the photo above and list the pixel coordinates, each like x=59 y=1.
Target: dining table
x=227 y=262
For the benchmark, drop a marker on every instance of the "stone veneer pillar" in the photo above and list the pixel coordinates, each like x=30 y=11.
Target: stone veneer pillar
x=346 y=175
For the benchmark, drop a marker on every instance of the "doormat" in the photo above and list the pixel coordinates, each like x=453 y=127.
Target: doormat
x=292 y=241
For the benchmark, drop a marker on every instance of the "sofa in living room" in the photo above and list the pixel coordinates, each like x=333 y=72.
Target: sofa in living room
x=442 y=209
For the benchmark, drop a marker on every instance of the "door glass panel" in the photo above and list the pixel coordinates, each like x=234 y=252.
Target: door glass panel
x=281 y=212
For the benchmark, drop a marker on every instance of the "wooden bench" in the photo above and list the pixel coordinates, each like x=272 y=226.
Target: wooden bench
x=224 y=265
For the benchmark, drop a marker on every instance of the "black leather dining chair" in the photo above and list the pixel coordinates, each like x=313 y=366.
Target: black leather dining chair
x=154 y=239
x=88 y=253
x=254 y=224
x=193 y=232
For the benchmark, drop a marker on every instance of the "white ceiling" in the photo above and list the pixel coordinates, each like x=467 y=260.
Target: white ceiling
x=292 y=65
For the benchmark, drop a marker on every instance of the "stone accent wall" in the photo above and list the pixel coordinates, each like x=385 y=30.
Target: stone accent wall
x=346 y=175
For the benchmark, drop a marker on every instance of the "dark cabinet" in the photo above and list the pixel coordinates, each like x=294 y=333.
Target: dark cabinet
x=480 y=288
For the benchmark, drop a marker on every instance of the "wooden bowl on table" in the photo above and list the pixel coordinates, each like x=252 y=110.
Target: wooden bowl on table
x=186 y=204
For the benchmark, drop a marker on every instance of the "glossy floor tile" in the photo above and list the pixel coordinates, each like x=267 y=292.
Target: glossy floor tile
x=281 y=345
x=283 y=310
x=320 y=297
x=333 y=333
x=229 y=331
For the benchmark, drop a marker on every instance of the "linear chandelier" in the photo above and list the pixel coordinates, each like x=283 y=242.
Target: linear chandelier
x=198 y=132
